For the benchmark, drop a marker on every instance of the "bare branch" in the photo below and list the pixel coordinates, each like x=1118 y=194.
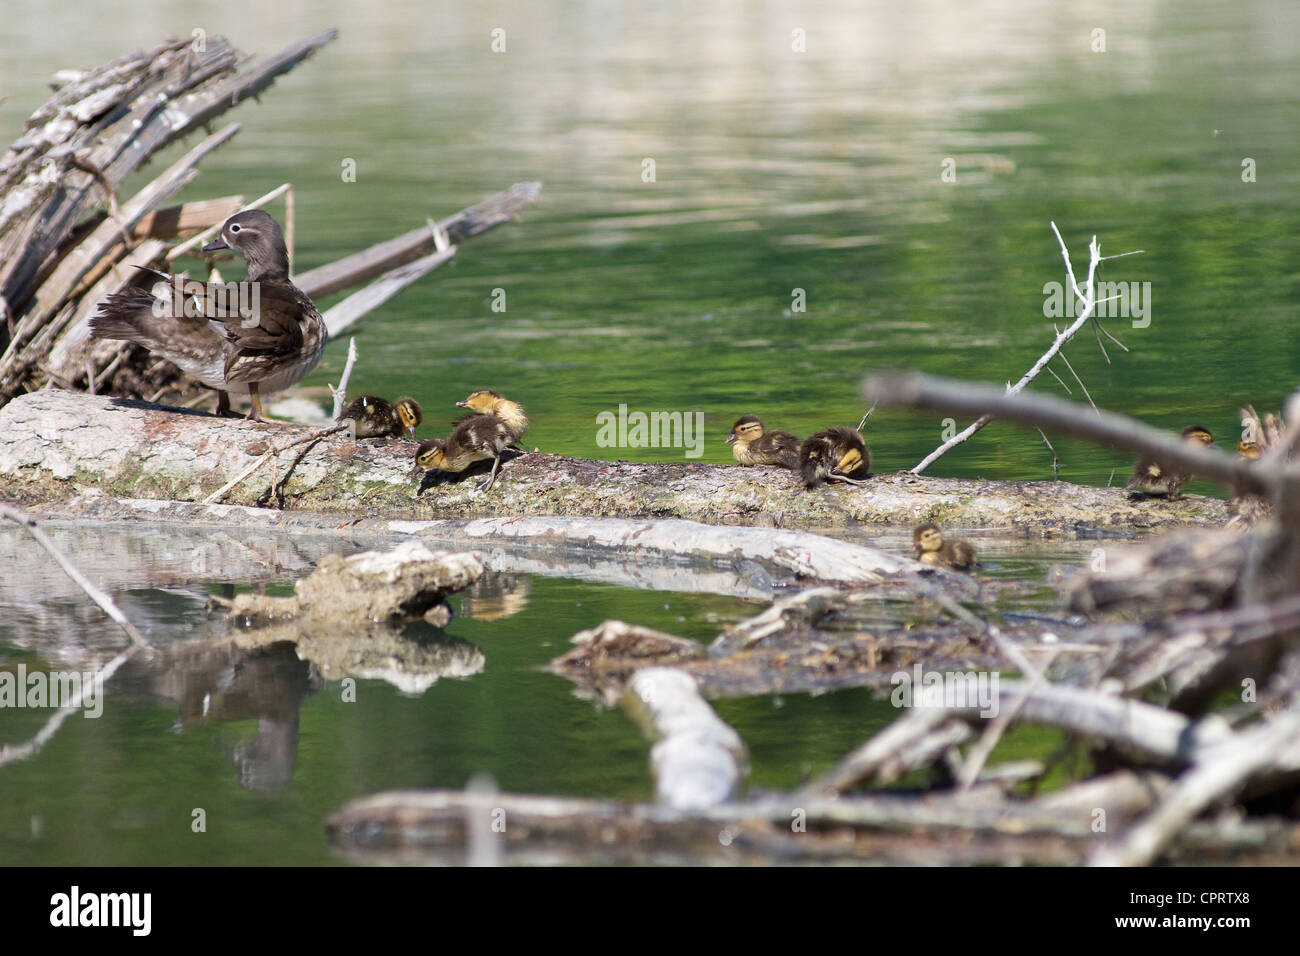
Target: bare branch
x=929 y=393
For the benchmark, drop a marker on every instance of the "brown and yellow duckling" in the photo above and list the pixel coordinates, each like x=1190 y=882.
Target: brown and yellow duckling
x=475 y=438
x=932 y=549
x=1258 y=435
x=752 y=444
x=487 y=402
x=837 y=454
x=376 y=418
x=1152 y=478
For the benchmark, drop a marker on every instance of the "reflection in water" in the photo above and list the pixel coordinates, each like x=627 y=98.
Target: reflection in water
x=216 y=682
x=495 y=597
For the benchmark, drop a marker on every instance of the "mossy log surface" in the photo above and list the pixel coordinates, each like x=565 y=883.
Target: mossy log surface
x=54 y=444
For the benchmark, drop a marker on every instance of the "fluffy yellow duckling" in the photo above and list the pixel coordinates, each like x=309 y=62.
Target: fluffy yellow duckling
x=376 y=418
x=752 y=444
x=487 y=402
x=837 y=454
x=475 y=438
x=932 y=549
x=1152 y=478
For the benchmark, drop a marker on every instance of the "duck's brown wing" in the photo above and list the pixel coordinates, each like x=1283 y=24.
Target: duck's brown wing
x=267 y=332
x=136 y=315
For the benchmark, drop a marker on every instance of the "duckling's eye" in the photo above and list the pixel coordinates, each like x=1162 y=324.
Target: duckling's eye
x=235 y=227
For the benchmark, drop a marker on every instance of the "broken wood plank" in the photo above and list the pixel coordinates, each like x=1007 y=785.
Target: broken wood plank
x=357 y=268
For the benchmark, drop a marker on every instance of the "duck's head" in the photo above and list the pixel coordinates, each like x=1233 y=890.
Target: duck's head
x=747 y=428
x=849 y=461
x=1248 y=449
x=257 y=237
x=926 y=538
x=431 y=454
x=484 y=400
x=409 y=414
x=1197 y=435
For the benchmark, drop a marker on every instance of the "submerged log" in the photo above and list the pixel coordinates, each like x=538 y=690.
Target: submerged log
x=55 y=443
x=343 y=594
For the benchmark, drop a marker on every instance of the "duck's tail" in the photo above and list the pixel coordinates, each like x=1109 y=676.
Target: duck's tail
x=124 y=315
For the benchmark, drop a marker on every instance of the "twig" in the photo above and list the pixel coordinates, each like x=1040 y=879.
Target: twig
x=930 y=393
x=1087 y=303
x=982 y=748
x=863 y=424
x=1056 y=462
x=1217 y=776
x=275 y=450
x=1080 y=381
x=105 y=602
x=341 y=393
x=1061 y=380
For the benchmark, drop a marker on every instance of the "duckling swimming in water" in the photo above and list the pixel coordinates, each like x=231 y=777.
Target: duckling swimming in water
x=752 y=444
x=932 y=549
x=377 y=418
x=475 y=438
x=837 y=454
x=1152 y=478
x=487 y=402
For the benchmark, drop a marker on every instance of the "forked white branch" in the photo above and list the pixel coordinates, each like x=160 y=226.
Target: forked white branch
x=1087 y=301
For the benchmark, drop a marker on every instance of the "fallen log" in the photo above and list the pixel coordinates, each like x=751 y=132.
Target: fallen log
x=194 y=542
x=698 y=760
x=413 y=827
x=55 y=443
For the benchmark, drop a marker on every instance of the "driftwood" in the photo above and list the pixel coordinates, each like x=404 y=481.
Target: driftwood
x=58 y=259
x=416 y=827
x=698 y=760
x=371 y=587
x=53 y=443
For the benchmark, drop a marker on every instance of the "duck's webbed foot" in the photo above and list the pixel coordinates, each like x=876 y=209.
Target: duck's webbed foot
x=486 y=485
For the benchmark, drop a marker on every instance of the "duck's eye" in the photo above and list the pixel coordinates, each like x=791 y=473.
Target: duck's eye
x=235 y=227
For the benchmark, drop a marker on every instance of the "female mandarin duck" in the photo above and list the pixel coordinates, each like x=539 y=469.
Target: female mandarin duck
x=265 y=342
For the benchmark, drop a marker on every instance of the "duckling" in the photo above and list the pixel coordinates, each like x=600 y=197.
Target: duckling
x=377 y=418
x=932 y=549
x=487 y=402
x=1152 y=478
x=752 y=444
x=262 y=345
x=475 y=438
x=837 y=454
x=1258 y=435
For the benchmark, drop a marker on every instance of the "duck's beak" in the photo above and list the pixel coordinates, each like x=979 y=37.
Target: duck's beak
x=216 y=245
x=729 y=439
x=462 y=404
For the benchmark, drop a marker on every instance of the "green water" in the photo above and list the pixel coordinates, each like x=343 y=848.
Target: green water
x=775 y=171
